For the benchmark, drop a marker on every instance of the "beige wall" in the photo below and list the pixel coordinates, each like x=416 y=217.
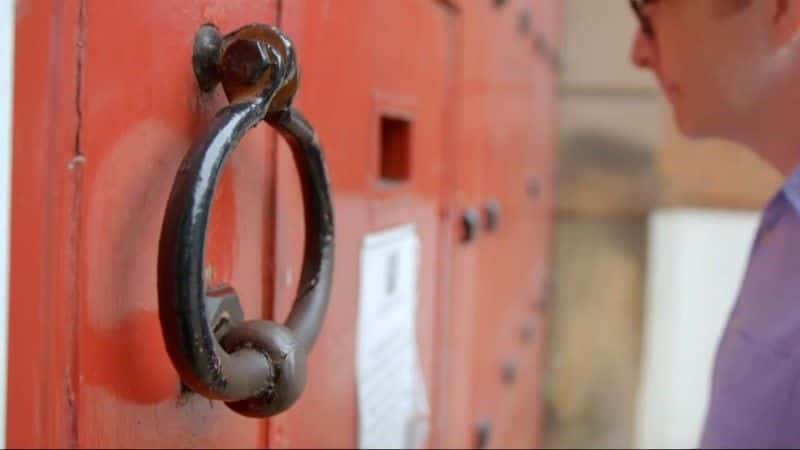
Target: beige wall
x=611 y=124
x=595 y=334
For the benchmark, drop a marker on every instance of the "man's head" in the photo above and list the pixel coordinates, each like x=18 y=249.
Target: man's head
x=725 y=65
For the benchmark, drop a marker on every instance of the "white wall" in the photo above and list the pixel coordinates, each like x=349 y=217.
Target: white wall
x=696 y=261
x=6 y=102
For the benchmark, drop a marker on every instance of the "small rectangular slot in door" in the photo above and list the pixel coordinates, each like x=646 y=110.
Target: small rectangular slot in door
x=395 y=154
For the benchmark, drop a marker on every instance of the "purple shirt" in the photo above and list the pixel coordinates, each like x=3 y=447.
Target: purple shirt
x=755 y=395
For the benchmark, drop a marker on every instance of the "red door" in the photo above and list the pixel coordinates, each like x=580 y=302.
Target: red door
x=376 y=80
x=517 y=174
x=494 y=342
x=425 y=108
x=107 y=108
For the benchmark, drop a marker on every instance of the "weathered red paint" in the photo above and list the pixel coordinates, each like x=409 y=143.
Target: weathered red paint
x=360 y=62
x=105 y=107
x=512 y=260
x=40 y=381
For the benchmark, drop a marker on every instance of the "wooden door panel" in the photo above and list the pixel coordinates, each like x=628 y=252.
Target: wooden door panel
x=513 y=257
x=138 y=110
x=363 y=60
x=42 y=294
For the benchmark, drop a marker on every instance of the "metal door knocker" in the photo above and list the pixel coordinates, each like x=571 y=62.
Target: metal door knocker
x=257 y=367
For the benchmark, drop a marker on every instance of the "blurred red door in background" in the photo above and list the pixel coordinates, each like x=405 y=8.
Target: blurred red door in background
x=426 y=108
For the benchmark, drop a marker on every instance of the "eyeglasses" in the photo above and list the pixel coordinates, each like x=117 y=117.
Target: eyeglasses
x=644 y=21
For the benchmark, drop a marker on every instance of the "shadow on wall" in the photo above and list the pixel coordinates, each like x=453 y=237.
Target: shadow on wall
x=604 y=175
x=606 y=187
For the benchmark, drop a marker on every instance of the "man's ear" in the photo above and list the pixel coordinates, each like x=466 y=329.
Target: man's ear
x=786 y=20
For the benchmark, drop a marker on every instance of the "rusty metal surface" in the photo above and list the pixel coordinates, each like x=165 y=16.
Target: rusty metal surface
x=257 y=367
x=200 y=360
x=492 y=210
x=471 y=222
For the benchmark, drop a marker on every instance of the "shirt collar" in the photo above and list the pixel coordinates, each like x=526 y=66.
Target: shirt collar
x=791 y=188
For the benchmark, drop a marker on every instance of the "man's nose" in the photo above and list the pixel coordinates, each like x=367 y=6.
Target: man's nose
x=643 y=51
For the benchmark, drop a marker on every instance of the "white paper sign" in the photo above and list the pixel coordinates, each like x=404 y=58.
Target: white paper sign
x=392 y=400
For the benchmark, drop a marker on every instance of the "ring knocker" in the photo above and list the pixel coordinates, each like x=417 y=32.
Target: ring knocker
x=257 y=367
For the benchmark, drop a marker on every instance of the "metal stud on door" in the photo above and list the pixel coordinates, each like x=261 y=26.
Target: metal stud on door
x=257 y=367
